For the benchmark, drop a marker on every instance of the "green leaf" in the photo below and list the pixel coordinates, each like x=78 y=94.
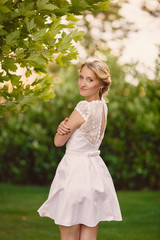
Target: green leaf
x=70 y=25
x=36 y=47
x=73 y=52
x=44 y=5
x=26 y=42
x=72 y=17
x=4 y=78
x=12 y=38
x=46 y=96
x=102 y=5
x=79 y=6
x=56 y=27
x=20 y=52
x=48 y=54
x=77 y=35
x=28 y=73
x=14 y=79
x=36 y=59
x=67 y=38
x=6 y=49
x=39 y=34
x=15 y=14
x=4 y=91
x=37 y=81
x=2 y=32
x=66 y=59
x=4 y=9
x=40 y=21
x=41 y=69
x=30 y=24
x=59 y=60
x=27 y=8
x=1 y=77
x=2 y=2
x=9 y=64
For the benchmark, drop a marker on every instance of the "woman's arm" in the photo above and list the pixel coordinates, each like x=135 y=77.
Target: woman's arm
x=75 y=120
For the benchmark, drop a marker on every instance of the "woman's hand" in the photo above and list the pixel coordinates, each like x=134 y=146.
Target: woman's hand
x=62 y=128
x=67 y=127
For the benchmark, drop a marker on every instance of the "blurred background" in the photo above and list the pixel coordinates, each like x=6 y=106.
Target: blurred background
x=127 y=38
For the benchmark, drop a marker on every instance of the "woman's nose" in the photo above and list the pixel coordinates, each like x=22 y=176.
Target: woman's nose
x=83 y=82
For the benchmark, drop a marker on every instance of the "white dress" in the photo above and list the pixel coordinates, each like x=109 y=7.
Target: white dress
x=82 y=191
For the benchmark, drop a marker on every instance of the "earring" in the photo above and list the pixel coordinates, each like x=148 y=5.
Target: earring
x=100 y=93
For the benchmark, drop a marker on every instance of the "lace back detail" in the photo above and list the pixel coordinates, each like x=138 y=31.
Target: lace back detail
x=93 y=113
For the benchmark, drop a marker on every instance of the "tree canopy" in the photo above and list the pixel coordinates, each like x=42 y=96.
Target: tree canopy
x=32 y=34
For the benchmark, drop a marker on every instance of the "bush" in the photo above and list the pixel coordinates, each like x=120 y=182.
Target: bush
x=130 y=147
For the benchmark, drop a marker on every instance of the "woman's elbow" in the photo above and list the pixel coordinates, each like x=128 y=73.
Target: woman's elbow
x=58 y=143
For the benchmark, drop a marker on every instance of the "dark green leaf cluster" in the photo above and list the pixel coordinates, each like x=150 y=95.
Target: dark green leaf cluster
x=32 y=34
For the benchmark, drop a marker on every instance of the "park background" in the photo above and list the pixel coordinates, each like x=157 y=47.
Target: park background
x=130 y=148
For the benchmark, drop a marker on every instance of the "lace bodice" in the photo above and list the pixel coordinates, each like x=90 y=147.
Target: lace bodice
x=92 y=113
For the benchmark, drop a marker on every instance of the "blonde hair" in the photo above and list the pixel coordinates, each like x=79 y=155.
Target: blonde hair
x=102 y=72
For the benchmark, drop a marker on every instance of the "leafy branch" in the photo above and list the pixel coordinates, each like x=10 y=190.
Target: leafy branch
x=32 y=34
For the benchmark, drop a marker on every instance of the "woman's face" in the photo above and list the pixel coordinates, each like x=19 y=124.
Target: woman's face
x=89 y=85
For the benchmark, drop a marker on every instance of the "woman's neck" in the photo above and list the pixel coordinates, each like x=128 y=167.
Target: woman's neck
x=92 y=98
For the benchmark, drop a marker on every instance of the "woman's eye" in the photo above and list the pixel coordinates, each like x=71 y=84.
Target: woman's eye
x=80 y=77
x=90 y=80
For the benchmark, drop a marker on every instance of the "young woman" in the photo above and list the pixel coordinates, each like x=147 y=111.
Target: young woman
x=82 y=192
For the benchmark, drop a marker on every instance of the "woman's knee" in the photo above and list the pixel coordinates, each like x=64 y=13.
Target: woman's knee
x=88 y=233
x=70 y=233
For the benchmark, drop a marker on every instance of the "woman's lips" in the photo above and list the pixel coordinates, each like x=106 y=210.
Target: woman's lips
x=83 y=89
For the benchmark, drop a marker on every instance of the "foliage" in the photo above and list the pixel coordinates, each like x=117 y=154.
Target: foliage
x=130 y=148
x=32 y=33
x=133 y=132
x=30 y=137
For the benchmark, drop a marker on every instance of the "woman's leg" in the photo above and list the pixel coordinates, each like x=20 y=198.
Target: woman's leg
x=70 y=233
x=88 y=233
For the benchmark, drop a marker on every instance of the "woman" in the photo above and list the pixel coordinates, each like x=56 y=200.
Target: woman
x=82 y=192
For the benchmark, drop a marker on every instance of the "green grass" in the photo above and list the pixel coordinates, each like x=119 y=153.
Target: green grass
x=19 y=219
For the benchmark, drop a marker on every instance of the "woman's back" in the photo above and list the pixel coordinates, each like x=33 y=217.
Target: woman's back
x=89 y=135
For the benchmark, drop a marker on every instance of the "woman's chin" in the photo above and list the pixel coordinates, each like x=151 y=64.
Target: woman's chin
x=82 y=94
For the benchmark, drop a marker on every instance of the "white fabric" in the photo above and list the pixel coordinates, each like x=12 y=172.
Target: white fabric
x=82 y=191
x=92 y=114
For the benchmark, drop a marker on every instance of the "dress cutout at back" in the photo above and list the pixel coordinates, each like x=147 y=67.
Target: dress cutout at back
x=95 y=116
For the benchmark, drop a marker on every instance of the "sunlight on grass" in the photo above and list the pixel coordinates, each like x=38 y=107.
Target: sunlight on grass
x=20 y=220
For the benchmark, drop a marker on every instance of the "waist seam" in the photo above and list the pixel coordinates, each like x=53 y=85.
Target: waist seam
x=88 y=154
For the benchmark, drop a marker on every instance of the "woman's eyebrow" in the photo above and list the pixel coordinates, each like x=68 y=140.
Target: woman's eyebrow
x=86 y=77
x=89 y=77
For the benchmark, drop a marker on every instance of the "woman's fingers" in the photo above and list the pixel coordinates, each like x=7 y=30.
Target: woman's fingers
x=66 y=119
x=63 y=128
x=62 y=132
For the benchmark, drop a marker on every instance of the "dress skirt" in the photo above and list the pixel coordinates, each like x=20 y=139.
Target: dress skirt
x=82 y=192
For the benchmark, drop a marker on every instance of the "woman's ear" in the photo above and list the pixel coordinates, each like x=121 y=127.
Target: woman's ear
x=102 y=86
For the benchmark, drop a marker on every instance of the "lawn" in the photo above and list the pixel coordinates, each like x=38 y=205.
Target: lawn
x=19 y=219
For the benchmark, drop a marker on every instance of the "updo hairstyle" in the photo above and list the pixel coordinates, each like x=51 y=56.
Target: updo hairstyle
x=102 y=72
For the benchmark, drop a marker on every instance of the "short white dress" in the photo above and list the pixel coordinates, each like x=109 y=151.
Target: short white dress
x=82 y=191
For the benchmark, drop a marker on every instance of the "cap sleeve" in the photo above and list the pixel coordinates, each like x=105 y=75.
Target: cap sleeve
x=82 y=108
